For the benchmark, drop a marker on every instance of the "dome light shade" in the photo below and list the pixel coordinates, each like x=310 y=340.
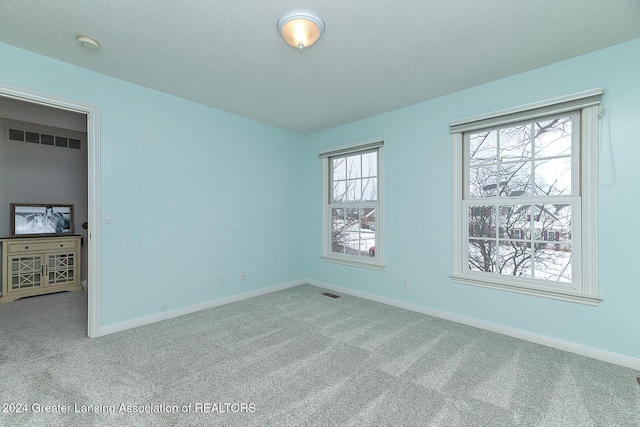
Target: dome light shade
x=300 y=28
x=88 y=43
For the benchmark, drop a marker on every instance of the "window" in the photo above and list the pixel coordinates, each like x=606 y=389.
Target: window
x=524 y=199
x=351 y=197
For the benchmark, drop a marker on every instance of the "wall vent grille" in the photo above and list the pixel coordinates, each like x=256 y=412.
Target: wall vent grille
x=22 y=135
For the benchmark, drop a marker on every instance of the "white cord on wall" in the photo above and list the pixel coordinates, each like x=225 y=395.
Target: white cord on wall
x=605 y=153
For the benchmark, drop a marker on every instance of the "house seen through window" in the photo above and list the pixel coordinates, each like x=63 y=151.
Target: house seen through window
x=352 y=205
x=524 y=199
x=520 y=198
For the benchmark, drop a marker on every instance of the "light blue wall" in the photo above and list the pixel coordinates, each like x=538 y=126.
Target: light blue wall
x=195 y=192
x=417 y=195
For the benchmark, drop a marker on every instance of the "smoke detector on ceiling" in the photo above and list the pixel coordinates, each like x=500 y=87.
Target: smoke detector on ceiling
x=88 y=43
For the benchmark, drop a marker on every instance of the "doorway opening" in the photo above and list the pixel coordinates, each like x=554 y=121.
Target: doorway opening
x=92 y=114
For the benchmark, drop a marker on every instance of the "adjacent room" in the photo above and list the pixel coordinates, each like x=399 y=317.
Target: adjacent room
x=319 y=213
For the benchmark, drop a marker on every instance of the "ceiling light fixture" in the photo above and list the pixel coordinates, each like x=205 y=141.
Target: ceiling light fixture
x=88 y=43
x=300 y=28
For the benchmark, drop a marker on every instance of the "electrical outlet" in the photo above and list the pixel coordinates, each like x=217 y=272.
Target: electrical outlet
x=242 y=275
x=221 y=282
x=405 y=283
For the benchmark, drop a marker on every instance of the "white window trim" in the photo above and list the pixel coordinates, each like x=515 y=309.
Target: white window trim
x=588 y=102
x=375 y=263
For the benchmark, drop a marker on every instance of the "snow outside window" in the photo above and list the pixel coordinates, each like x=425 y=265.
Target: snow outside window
x=524 y=199
x=352 y=227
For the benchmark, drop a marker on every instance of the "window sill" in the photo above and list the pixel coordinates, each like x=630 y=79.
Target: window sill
x=353 y=263
x=557 y=294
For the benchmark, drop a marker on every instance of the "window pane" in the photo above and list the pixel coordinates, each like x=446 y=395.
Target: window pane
x=515 y=179
x=482 y=181
x=353 y=166
x=482 y=221
x=339 y=168
x=370 y=189
x=337 y=218
x=482 y=255
x=483 y=148
x=354 y=231
x=368 y=232
x=553 y=177
x=352 y=219
x=352 y=243
x=553 y=137
x=552 y=261
x=346 y=230
x=370 y=164
x=515 y=143
x=515 y=221
x=514 y=259
x=354 y=190
x=368 y=219
x=339 y=191
x=553 y=222
x=337 y=230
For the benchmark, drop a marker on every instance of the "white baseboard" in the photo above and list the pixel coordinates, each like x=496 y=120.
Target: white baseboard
x=141 y=321
x=583 y=350
x=594 y=353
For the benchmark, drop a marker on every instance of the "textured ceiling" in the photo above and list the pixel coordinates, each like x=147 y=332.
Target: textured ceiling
x=375 y=55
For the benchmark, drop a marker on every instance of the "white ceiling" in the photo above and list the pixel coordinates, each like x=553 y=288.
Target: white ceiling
x=375 y=55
